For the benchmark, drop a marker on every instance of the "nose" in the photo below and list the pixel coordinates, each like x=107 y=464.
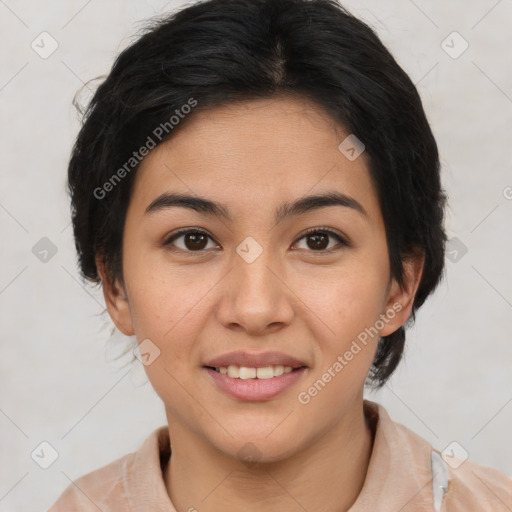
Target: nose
x=255 y=297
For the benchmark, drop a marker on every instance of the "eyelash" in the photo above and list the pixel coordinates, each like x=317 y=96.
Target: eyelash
x=323 y=230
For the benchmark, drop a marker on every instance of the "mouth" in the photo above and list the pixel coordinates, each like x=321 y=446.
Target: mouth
x=249 y=375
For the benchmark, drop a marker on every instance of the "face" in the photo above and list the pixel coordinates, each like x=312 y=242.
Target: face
x=253 y=280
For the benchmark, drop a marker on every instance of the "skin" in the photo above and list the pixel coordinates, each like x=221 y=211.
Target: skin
x=311 y=304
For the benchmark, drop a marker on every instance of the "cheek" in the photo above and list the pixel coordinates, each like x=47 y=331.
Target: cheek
x=167 y=302
x=349 y=306
x=349 y=301
x=348 y=298
x=167 y=308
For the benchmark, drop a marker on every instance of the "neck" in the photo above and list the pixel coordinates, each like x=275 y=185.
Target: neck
x=327 y=476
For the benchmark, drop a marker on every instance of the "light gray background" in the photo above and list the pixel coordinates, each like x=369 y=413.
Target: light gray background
x=58 y=381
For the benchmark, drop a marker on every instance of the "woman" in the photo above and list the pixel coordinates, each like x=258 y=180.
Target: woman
x=257 y=189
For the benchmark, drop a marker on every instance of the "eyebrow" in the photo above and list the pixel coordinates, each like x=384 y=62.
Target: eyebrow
x=211 y=208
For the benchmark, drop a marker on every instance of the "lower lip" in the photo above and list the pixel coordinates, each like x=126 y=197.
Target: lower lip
x=256 y=389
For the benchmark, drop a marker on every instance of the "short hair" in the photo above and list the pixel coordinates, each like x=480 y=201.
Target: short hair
x=217 y=52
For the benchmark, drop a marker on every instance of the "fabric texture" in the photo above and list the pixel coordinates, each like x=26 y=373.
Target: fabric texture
x=404 y=474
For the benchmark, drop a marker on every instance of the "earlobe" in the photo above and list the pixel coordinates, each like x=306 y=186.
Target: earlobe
x=116 y=301
x=401 y=297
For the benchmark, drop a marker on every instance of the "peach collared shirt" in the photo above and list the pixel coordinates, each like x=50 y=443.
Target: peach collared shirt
x=404 y=474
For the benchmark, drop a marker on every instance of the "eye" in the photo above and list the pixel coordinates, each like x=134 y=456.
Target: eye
x=317 y=240
x=196 y=240
x=193 y=240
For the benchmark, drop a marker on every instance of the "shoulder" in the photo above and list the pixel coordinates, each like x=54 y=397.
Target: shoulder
x=462 y=483
x=102 y=489
x=456 y=484
x=473 y=484
x=135 y=479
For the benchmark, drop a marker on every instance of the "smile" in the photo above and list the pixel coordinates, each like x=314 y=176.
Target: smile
x=244 y=372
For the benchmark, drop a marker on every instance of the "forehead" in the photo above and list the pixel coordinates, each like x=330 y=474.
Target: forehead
x=275 y=128
x=251 y=153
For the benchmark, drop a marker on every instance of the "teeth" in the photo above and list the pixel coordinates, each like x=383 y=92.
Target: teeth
x=234 y=371
x=247 y=373
x=266 y=372
x=244 y=373
x=279 y=370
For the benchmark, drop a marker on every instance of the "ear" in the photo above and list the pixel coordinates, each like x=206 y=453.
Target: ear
x=400 y=298
x=116 y=300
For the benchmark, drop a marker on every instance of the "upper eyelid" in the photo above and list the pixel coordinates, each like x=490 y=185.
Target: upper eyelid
x=320 y=229
x=185 y=231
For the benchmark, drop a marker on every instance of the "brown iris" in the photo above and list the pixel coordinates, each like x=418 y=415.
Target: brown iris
x=195 y=241
x=320 y=241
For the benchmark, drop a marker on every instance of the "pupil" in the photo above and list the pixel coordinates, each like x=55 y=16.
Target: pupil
x=319 y=242
x=195 y=241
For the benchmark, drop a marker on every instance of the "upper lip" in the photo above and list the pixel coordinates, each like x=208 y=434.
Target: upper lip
x=254 y=359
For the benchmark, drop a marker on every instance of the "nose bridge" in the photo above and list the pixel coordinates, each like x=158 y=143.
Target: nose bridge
x=256 y=297
x=252 y=269
x=254 y=279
